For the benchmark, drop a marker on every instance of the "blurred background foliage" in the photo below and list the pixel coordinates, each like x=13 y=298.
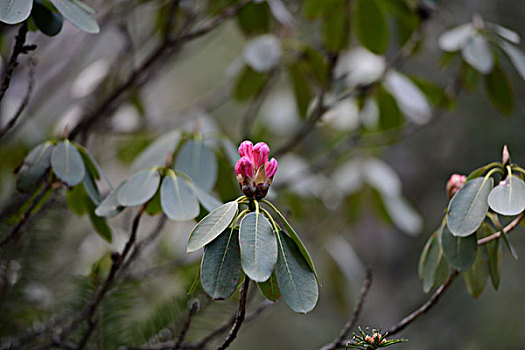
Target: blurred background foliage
x=364 y=186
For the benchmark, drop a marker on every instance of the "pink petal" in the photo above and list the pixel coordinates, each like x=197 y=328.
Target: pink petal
x=246 y=149
x=261 y=151
x=271 y=168
x=244 y=167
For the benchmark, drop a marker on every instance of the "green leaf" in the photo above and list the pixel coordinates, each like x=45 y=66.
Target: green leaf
x=221 y=269
x=469 y=76
x=469 y=206
x=459 y=251
x=389 y=114
x=34 y=167
x=154 y=206
x=295 y=237
x=336 y=28
x=499 y=90
x=494 y=254
x=476 y=276
x=258 y=247
x=139 y=188
x=91 y=188
x=478 y=54
x=211 y=226
x=516 y=56
x=480 y=171
x=77 y=16
x=100 y=225
x=110 y=206
x=430 y=260
x=47 y=21
x=301 y=89
x=199 y=163
x=371 y=25
x=316 y=8
x=254 y=18
x=15 y=11
x=248 y=84
x=316 y=64
x=508 y=198
x=270 y=288
x=90 y=163
x=177 y=199
x=209 y=202
x=297 y=282
x=76 y=200
x=67 y=163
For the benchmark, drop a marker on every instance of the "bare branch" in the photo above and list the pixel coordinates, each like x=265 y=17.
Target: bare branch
x=339 y=341
x=505 y=230
x=193 y=310
x=239 y=317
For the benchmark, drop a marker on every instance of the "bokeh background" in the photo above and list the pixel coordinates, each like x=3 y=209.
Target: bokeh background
x=344 y=232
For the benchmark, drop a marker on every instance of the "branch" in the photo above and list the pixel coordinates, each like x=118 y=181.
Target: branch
x=505 y=230
x=18 y=49
x=239 y=317
x=339 y=341
x=25 y=101
x=193 y=310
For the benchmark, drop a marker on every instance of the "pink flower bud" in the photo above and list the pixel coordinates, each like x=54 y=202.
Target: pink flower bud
x=271 y=168
x=246 y=149
x=455 y=183
x=244 y=167
x=261 y=151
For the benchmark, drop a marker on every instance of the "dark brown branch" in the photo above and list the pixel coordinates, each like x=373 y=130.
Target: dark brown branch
x=339 y=341
x=425 y=307
x=239 y=317
x=147 y=69
x=193 y=310
x=18 y=49
x=25 y=101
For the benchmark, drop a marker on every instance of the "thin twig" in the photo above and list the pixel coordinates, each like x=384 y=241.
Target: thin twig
x=25 y=101
x=18 y=49
x=193 y=310
x=239 y=317
x=339 y=341
x=505 y=230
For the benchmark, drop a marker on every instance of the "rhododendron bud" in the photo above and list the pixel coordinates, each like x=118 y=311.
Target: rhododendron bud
x=244 y=167
x=246 y=149
x=271 y=168
x=261 y=151
x=455 y=183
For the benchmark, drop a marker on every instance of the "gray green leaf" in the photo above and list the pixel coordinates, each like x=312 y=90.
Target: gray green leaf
x=478 y=54
x=67 y=163
x=110 y=206
x=77 y=16
x=199 y=163
x=177 y=199
x=459 y=251
x=34 y=167
x=140 y=188
x=476 y=276
x=508 y=198
x=15 y=11
x=270 y=288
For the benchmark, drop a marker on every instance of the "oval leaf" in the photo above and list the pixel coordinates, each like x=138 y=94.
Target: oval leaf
x=494 y=254
x=91 y=188
x=516 y=56
x=459 y=251
x=296 y=280
x=15 y=11
x=478 y=54
x=469 y=206
x=199 y=163
x=139 y=188
x=77 y=16
x=177 y=199
x=508 y=198
x=258 y=247
x=455 y=38
x=499 y=90
x=110 y=205
x=270 y=288
x=211 y=226
x=156 y=153
x=221 y=269
x=67 y=163
x=371 y=25
x=476 y=277
x=209 y=202
x=47 y=21
x=430 y=260
x=34 y=167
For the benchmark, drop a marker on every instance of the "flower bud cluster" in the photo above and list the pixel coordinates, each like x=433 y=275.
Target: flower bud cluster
x=254 y=171
x=455 y=183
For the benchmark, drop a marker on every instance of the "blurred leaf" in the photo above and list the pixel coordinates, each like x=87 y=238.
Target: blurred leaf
x=270 y=288
x=336 y=27
x=389 y=114
x=212 y=226
x=248 y=84
x=199 y=163
x=456 y=38
x=508 y=198
x=77 y=15
x=263 y=53
x=154 y=206
x=429 y=260
x=110 y=205
x=297 y=282
x=516 y=56
x=507 y=34
x=478 y=54
x=177 y=199
x=258 y=247
x=494 y=254
x=15 y=11
x=76 y=200
x=209 y=202
x=47 y=21
x=499 y=90
x=435 y=94
x=139 y=188
x=371 y=25
x=301 y=89
x=411 y=101
x=67 y=163
x=469 y=206
x=91 y=188
x=156 y=153
x=254 y=18
x=100 y=224
x=90 y=164
x=313 y=9
x=221 y=269
x=469 y=77
x=476 y=276
x=34 y=167
x=315 y=63
x=459 y=251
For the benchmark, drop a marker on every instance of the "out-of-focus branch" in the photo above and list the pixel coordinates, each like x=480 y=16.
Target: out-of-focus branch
x=339 y=341
x=25 y=101
x=193 y=310
x=239 y=317
x=19 y=48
